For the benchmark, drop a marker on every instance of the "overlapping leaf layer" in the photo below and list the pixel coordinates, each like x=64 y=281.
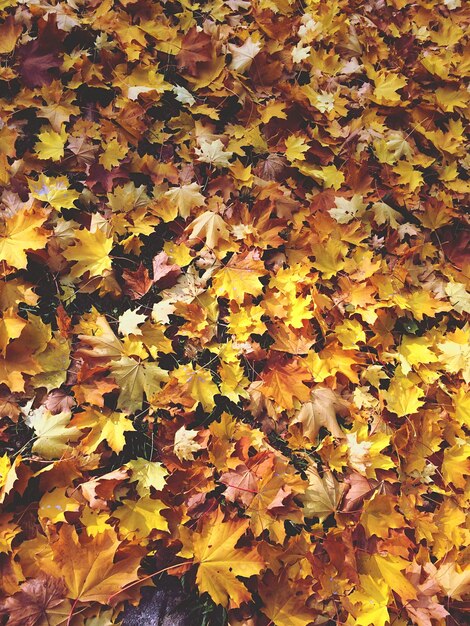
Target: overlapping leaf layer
x=234 y=344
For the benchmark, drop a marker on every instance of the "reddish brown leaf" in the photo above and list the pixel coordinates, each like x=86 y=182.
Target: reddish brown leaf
x=33 y=602
x=137 y=283
x=196 y=48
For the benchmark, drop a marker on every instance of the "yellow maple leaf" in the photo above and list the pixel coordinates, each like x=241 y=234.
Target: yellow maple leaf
x=456 y=352
x=415 y=351
x=210 y=227
x=8 y=475
x=89 y=566
x=139 y=518
x=329 y=257
x=53 y=432
x=219 y=562
x=386 y=86
x=21 y=233
x=284 y=383
x=55 y=191
x=240 y=276
x=390 y=568
x=147 y=474
x=11 y=326
x=371 y=601
x=331 y=361
x=198 y=383
x=295 y=148
x=51 y=144
x=403 y=397
x=94 y=521
x=364 y=451
x=90 y=253
x=408 y=175
x=54 y=504
x=185 y=198
x=104 y=427
x=380 y=514
x=461 y=402
x=114 y=152
x=456 y=464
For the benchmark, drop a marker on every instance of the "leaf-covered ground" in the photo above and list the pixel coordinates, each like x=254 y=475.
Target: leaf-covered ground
x=234 y=345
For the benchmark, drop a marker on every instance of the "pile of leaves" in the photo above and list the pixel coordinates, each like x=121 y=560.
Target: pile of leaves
x=234 y=345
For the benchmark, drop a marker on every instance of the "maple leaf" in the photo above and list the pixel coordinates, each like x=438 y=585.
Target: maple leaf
x=39 y=601
x=456 y=352
x=198 y=383
x=213 y=152
x=220 y=562
x=110 y=428
x=384 y=213
x=379 y=515
x=164 y=274
x=11 y=327
x=459 y=297
x=98 y=491
x=22 y=232
x=295 y=148
x=238 y=277
x=53 y=432
x=9 y=33
x=386 y=86
x=329 y=257
x=346 y=210
x=51 y=144
x=90 y=253
x=88 y=567
x=196 y=48
x=321 y=411
x=241 y=485
x=8 y=475
x=129 y=322
x=456 y=464
x=390 y=569
x=185 y=445
x=284 y=383
x=297 y=181
x=371 y=602
x=242 y=56
x=283 y=607
x=56 y=191
x=454 y=579
x=39 y=57
x=137 y=519
x=186 y=198
x=403 y=397
x=134 y=379
x=103 y=343
x=137 y=283
x=211 y=226
x=322 y=496
x=147 y=474
x=113 y=153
